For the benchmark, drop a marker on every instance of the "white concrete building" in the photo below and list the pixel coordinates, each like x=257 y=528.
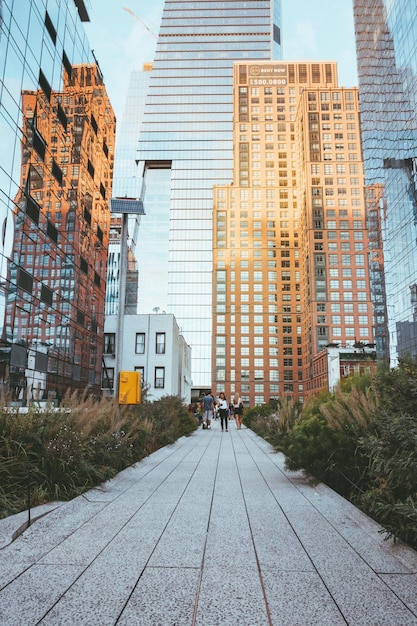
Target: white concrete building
x=152 y=345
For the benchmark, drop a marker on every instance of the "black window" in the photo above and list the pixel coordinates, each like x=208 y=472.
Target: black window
x=140 y=343
x=109 y=343
x=160 y=343
x=159 y=377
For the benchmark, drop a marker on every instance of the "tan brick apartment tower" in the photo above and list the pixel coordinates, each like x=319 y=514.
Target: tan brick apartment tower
x=290 y=248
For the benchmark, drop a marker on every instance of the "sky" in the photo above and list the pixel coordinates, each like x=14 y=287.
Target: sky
x=122 y=34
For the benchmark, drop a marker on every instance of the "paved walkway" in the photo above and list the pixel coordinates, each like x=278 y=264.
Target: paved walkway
x=211 y=531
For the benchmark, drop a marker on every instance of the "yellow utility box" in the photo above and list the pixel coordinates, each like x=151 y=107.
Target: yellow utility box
x=129 y=388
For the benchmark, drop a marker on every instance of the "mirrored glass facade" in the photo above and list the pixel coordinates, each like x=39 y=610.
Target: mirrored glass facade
x=56 y=162
x=127 y=184
x=187 y=130
x=386 y=41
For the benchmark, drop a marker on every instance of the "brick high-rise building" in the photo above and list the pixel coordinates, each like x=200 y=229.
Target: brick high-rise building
x=289 y=237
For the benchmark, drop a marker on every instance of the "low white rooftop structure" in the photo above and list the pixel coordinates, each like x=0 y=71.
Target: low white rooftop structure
x=154 y=346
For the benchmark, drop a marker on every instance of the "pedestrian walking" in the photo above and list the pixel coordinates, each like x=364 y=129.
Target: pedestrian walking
x=223 y=411
x=238 y=410
x=208 y=408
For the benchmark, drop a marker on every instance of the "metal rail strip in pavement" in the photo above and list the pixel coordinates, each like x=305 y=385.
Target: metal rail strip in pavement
x=211 y=531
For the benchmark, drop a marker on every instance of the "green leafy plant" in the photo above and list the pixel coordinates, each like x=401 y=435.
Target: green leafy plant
x=54 y=454
x=361 y=440
x=274 y=420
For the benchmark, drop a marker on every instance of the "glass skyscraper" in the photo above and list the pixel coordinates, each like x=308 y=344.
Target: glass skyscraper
x=126 y=184
x=186 y=147
x=57 y=131
x=386 y=42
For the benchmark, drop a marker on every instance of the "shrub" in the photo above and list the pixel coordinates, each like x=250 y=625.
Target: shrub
x=391 y=494
x=58 y=454
x=273 y=420
x=313 y=445
x=362 y=441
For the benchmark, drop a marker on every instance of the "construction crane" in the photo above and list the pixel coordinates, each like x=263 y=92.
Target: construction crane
x=141 y=21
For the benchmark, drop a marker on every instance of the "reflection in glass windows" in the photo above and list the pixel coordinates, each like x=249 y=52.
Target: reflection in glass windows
x=54 y=218
x=386 y=41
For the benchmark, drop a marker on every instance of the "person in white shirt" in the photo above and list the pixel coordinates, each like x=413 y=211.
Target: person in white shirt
x=223 y=410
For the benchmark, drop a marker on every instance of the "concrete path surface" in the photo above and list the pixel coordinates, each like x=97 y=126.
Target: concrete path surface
x=211 y=531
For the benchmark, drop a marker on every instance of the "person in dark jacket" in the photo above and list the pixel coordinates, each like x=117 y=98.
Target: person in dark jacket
x=208 y=408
